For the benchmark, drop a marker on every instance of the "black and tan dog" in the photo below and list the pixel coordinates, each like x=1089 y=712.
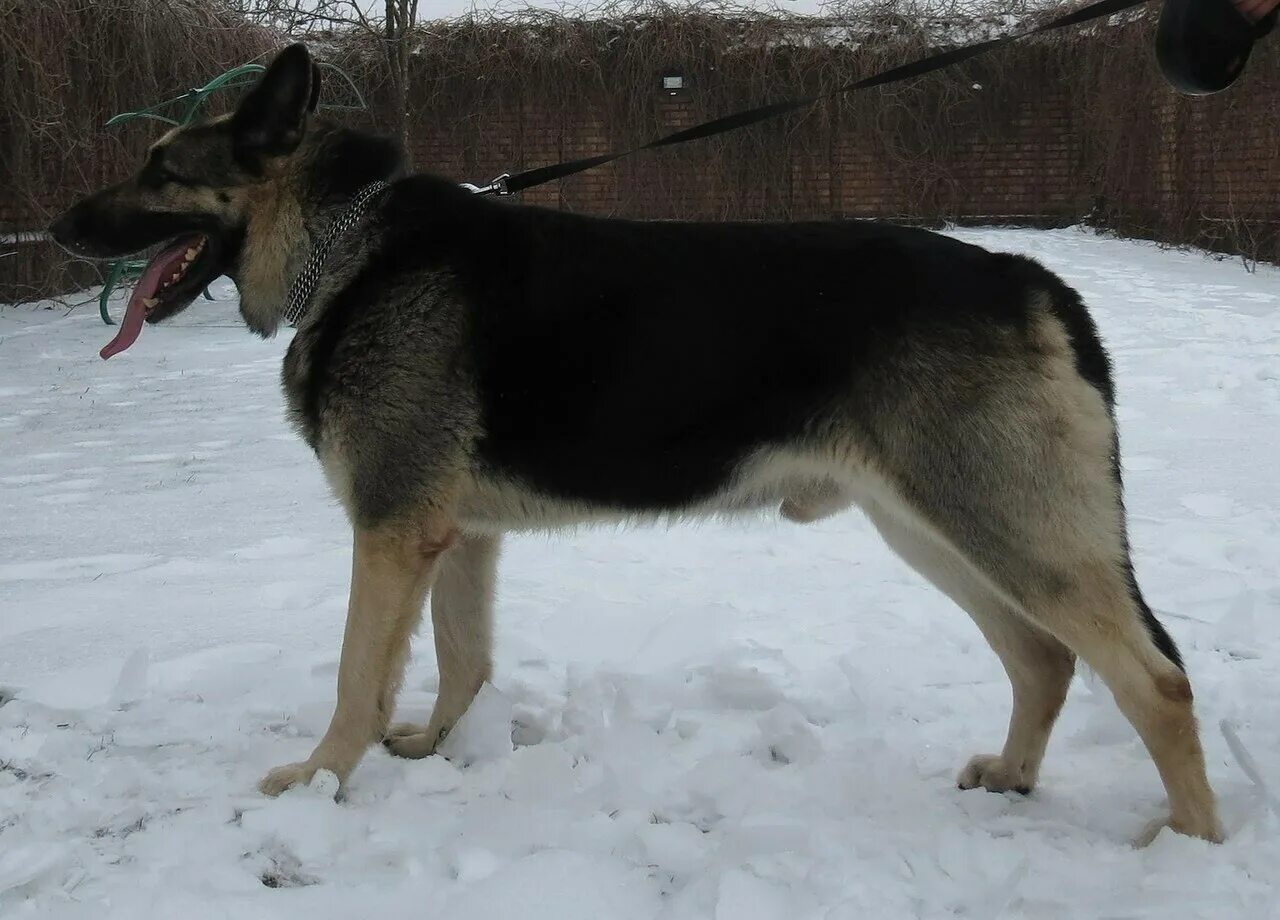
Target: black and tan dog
x=465 y=368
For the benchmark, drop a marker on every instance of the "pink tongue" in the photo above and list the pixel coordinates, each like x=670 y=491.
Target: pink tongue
x=130 y=327
x=159 y=268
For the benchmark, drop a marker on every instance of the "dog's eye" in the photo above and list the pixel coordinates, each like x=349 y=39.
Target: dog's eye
x=155 y=175
x=170 y=176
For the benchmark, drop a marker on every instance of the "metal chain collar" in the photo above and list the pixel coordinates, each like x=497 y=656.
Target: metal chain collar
x=305 y=284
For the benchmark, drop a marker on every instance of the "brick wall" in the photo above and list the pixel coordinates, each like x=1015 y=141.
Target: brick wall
x=1029 y=170
x=1014 y=139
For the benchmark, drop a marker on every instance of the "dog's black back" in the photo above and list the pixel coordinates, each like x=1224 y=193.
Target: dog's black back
x=636 y=364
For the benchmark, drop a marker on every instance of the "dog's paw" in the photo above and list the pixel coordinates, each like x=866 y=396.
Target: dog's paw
x=286 y=777
x=990 y=772
x=1211 y=832
x=407 y=739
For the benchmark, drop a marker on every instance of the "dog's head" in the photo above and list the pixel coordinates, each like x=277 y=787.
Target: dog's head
x=222 y=196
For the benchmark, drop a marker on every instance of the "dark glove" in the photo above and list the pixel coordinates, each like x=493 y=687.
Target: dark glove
x=1203 y=45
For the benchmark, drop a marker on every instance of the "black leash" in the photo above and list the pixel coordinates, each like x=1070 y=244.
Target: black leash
x=509 y=185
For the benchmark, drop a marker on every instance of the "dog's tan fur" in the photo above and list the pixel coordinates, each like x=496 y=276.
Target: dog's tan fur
x=986 y=461
x=391 y=574
x=275 y=241
x=1038 y=611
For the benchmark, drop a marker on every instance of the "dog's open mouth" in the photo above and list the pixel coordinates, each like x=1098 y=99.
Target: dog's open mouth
x=171 y=280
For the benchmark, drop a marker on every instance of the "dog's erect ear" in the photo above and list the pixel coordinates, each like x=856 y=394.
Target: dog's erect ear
x=271 y=120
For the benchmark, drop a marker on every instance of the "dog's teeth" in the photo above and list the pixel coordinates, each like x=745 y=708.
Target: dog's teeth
x=149 y=302
x=176 y=276
x=191 y=254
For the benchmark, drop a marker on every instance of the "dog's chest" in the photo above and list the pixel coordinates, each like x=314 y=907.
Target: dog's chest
x=295 y=376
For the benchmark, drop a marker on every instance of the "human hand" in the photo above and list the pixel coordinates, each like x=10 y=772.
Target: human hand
x=1253 y=10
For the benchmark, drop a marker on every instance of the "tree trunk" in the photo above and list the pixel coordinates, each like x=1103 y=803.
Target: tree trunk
x=401 y=15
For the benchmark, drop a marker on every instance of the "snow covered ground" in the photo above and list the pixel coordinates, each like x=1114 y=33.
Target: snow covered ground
x=738 y=722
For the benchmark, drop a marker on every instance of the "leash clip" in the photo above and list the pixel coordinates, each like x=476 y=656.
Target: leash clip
x=496 y=187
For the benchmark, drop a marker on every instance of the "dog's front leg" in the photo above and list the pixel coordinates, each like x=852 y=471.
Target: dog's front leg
x=462 y=624
x=391 y=573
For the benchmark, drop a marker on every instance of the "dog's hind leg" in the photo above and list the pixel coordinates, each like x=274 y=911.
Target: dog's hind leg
x=1020 y=478
x=1100 y=615
x=391 y=572
x=1073 y=597
x=462 y=624
x=1039 y=667
x=1064 y=560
